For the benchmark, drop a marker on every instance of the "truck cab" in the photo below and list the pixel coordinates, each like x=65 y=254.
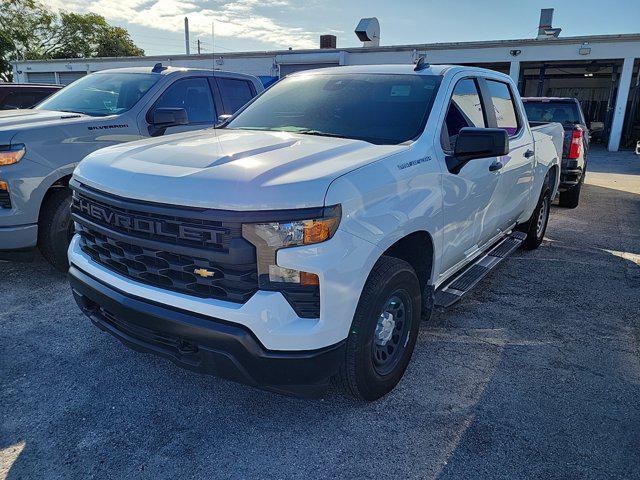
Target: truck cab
x=40 y=147
x=307 y=238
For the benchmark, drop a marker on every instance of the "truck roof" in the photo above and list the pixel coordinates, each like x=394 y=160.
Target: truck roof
x=549 y=99
x=167 y=70
x=398 y=69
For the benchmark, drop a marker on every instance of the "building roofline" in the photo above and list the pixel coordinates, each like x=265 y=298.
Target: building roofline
x=625 y=37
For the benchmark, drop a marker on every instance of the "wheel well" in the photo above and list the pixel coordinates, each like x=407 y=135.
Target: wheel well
x=58 y=184
x=417 y=250
x=553 y=175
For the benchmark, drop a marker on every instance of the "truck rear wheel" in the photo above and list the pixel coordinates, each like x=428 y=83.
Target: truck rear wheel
x=55 y=228
x=536 y=226
x=384 y=331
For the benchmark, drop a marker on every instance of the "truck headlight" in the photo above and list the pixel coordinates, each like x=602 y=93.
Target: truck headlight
x=10 y=154
x=269 y=237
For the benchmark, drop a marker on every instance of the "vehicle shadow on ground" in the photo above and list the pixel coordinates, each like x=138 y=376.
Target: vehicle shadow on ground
x=534 y=374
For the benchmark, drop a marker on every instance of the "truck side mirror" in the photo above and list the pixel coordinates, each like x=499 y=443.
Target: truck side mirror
x=475 y=143
x=169 y=117
x=163 y=118
x=224 y=118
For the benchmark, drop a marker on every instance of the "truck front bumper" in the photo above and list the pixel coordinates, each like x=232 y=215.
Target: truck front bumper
x=201 y=343
x=18 y=237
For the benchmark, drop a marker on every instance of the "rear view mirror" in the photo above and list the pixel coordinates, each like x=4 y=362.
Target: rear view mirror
x=169 y=117
x=478 y=143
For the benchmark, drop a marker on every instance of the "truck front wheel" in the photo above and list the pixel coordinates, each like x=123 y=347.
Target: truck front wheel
x=55 y=228
x=384 y=331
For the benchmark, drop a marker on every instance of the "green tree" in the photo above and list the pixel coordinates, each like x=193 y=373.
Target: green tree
x=30 y=31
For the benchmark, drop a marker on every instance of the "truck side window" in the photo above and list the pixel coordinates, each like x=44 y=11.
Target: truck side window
x=504 y=106
x=465 y=110
x=235 y=93
x=192 y=94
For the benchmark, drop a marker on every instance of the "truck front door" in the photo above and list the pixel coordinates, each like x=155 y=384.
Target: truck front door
x=192 y=94
x=470 y=207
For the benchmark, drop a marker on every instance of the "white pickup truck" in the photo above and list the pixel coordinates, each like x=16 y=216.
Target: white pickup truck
x=307 y=238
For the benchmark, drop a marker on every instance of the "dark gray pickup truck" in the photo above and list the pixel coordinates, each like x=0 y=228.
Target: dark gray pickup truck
x=566 y=111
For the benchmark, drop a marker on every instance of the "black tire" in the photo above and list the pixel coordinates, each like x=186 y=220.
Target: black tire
x=533 y=228
x=392 y=292
x=55 y=228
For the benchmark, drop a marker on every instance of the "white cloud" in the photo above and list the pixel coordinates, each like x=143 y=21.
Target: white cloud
x=237 y=18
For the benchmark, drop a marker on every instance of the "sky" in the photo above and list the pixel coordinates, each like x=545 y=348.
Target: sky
x=157 y=26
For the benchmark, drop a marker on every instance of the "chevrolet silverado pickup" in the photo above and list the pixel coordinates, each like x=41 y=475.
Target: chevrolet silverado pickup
x=566 y=111
x=40 y=147
x=306 y=239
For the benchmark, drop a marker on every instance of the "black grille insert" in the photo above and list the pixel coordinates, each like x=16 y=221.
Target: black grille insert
x=5 y=200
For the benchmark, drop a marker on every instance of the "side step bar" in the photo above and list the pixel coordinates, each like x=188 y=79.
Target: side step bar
x=455 y=288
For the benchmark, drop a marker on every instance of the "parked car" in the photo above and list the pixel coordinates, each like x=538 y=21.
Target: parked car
x=306 y=239
x=568 y=112
x=39 y=148
x=24 y=95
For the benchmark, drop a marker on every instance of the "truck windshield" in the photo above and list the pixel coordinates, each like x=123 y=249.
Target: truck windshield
x=101 y=94
x=562 y=112
x=377 y=108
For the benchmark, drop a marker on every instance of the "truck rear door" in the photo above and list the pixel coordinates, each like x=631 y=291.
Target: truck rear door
x=517 y=167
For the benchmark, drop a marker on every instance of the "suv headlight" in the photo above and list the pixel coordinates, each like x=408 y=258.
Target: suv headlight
x=269 y=237
x=10 y=154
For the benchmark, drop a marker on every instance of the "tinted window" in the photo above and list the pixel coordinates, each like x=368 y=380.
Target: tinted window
x=563 y=112
x=465 y=110
x=377 y=108
x=101 y=94
x=506 y=117
x=25 y=99
x=235 y=93
x=192 y=94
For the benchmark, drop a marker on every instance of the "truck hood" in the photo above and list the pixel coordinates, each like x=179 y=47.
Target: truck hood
x=228 y=169
x=14 y=120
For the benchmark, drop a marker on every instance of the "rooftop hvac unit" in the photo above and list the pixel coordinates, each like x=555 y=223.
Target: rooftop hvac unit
x=368 y=31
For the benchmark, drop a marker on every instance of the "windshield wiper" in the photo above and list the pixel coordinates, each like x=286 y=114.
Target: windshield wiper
x=320 y=134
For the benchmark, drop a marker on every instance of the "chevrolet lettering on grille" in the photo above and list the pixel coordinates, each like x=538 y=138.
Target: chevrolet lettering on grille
x=133 y=223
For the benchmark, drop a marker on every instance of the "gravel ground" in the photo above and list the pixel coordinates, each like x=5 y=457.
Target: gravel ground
x=536 y=374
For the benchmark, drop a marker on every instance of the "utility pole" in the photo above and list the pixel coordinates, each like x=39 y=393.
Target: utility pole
x=198 y=46
x=186 y=35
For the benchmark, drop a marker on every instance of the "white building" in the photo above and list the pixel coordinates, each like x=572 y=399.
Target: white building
x=601 y=71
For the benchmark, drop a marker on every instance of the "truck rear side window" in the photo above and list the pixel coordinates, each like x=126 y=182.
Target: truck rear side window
x=506 y=116
x=234 y=92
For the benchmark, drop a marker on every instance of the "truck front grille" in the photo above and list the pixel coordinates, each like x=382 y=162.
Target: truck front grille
x=185 y=251
x=173 y=271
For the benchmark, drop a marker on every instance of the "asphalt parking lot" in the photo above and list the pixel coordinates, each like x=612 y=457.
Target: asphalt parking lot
x=536 y=374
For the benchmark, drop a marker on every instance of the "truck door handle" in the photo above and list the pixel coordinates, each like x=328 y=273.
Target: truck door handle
x=495 y=166
x=529 y=154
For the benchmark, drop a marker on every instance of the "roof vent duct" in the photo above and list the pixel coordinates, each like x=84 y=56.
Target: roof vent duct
x=328 y=41
x=368 y=32
x=545 y=30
